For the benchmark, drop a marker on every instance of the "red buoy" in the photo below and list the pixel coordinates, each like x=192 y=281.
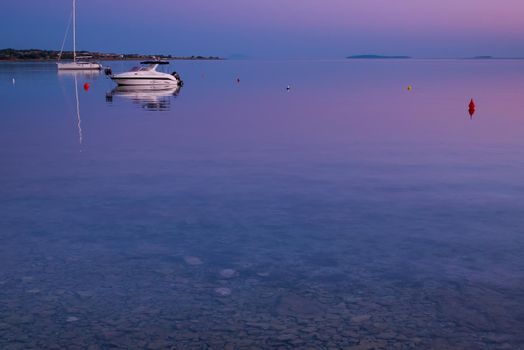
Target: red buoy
x=471 y=108
x=86 y=86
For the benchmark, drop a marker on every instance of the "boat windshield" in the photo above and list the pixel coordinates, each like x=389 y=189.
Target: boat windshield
x=142 y=68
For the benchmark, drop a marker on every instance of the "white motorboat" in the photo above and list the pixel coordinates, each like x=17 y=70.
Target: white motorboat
x=79 y=63
x=147 y=75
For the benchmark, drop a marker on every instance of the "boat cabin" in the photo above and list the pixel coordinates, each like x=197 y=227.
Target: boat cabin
x=148 y=66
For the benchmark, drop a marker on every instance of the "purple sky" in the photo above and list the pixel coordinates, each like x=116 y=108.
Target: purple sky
x=273 y=28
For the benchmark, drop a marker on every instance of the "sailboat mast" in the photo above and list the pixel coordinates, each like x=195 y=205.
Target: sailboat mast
x=74 y=30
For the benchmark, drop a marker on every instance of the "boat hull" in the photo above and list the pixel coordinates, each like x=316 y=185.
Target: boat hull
x=124 y=81
x=79 y=66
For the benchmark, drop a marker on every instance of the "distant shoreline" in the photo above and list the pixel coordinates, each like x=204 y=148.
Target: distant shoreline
x=377 y=57
x=474 y=58
x=37 y=55
x=43 y=60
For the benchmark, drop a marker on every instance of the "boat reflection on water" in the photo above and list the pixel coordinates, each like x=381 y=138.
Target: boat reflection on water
x=150 y=97
x=87 y=75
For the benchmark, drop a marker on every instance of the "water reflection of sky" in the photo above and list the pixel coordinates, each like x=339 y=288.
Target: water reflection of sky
x=347 y=202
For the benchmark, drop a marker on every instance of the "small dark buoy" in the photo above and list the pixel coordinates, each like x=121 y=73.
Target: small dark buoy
x=471 y=108
x=288 y=88
x=86 y=86
x=238 y=80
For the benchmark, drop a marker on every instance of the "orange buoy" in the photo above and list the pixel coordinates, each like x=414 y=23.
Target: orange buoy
x=86 y=86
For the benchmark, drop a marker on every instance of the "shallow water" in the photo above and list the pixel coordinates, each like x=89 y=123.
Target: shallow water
x=345 y=212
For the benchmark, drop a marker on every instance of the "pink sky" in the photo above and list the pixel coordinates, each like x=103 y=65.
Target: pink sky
x=280 y=28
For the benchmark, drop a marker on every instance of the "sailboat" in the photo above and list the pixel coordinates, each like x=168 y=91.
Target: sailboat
x=77 y=63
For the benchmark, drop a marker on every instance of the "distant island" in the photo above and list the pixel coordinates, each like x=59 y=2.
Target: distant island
x=492 y=58
x=375 y=57
x=51 y=55
x=482 y=58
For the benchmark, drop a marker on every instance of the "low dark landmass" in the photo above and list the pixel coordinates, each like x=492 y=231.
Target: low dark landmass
x=492 y=58
x=368 y=57
x=51 y=55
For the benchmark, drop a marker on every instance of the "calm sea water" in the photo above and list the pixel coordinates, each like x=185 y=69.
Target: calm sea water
x=345 y=212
